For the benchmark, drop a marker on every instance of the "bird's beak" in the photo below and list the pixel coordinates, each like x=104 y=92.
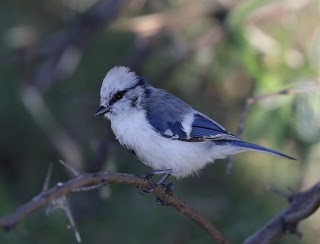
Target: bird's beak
x=102 y=110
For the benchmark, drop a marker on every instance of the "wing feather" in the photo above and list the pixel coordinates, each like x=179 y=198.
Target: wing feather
x=203 y=129
x=168 y=115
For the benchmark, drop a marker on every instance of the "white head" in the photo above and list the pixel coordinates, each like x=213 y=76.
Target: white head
x=121 y=90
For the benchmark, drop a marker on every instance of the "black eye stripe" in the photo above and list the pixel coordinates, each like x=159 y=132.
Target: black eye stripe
x=116 y=97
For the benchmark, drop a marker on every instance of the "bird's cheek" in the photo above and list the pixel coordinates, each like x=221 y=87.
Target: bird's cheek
x=108 y=115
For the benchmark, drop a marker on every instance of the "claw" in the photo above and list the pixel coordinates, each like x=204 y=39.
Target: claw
x=149 y=177
x=169 y=190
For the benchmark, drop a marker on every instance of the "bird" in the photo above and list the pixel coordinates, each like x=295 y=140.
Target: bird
x=163 y=131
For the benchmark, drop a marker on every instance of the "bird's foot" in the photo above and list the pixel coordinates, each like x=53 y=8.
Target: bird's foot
x=149 y=177
x=169 y=191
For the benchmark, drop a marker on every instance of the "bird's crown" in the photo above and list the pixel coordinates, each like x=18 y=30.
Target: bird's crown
x=117 y=79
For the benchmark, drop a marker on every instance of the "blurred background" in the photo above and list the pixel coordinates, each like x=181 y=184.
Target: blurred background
x=213 y=54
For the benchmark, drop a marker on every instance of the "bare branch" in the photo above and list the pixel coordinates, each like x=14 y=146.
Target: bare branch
x=85 y=180
x=288 y=195
x=300 y=207
x=252 y=100
x=84 y=29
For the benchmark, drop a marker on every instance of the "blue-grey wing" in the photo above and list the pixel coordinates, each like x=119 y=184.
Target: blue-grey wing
x=204 y=129
x=165 y=113
x=166 y=128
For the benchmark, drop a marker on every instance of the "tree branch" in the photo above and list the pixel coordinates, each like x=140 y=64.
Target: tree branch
x=301 y=206
x=254 y=99
x=84 y=28
x=85 y=180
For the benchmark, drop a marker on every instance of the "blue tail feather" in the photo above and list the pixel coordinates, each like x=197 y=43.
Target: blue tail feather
x=256 y=147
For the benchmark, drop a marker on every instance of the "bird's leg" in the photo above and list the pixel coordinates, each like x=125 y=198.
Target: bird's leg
x=164 y=178
x=168 y=187
x=169 y=190
x=148 y=176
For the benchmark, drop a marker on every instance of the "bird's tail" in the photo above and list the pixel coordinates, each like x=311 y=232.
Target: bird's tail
x=255 y=147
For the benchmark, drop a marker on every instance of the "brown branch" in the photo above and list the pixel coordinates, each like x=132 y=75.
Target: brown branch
x=252 y=100
x=85 y=180
x=301 y=206
x=81 y=31
x=43 y=62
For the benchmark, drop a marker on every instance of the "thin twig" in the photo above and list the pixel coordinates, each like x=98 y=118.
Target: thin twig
x=288 y=195
x=62 y=203
x=252 y=100
x=90 y=188
x=47 y=179
x=72 y=170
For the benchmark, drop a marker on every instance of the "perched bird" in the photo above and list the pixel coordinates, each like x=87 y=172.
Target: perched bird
x=163 y=131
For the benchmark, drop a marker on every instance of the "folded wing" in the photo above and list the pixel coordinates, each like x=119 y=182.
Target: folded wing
x=204 y=129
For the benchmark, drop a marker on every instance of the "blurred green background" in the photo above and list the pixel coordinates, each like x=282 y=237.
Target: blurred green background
x=213 y=54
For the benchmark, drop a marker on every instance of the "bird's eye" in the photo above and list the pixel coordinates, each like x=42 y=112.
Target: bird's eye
x=116 y=97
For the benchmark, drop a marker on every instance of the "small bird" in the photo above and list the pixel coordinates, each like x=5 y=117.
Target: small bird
x=163 y=131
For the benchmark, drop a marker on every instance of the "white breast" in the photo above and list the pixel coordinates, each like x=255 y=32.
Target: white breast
x=158 y=152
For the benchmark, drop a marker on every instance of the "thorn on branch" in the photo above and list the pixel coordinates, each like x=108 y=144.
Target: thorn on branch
x=62 y=203
x=288 y=195
x=47 y=179
x=90 y=188
x=76 y=173
x=72 y=170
